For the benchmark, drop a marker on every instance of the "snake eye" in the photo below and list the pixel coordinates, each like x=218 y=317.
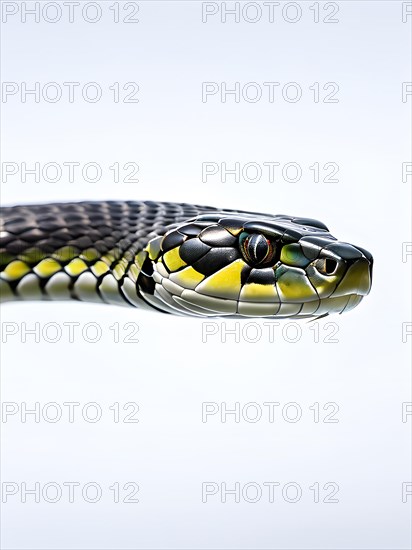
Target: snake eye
x=256 y=248
x=326 y=266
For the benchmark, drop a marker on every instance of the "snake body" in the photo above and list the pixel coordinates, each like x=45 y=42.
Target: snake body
x=179 y=258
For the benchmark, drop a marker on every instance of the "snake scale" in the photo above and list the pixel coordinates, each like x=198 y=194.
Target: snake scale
x=183 y=259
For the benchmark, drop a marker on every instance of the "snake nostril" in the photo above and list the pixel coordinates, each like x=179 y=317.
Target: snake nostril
x=326 y=266
x=330 y=266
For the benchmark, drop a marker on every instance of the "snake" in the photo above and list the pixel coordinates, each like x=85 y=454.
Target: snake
x=179 y=258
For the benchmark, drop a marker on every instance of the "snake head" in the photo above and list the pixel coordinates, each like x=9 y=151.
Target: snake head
x=251 y=265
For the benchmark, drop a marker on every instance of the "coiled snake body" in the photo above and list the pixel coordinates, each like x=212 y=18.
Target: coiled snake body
x=179 y=258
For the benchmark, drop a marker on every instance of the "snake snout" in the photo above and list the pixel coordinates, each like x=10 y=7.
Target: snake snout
x=356 y=265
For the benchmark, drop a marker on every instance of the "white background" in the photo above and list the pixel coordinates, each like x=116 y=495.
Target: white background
x=174 y=368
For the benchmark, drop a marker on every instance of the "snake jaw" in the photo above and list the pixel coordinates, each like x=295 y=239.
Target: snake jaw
x=230 y=266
